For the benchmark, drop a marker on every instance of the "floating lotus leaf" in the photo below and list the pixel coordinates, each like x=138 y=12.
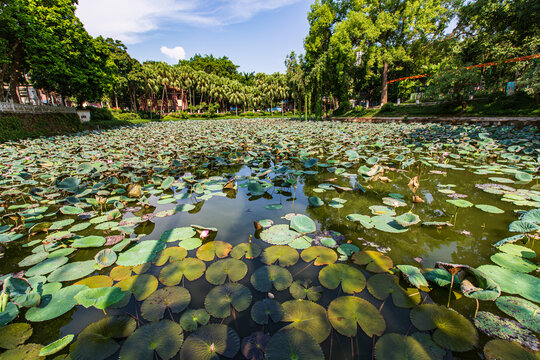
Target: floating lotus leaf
x=382 y=210
x=460 y=203
x=375 y=261
x=523 y=176
x=408 y=219
x=301 y=243
x=307 y=316
x=506 y=329
x=14 y=335
x=254 y=346
x=219 y=271
x=301 y=290
x=100 y=298
x=255 y=188
x=527 y=313
x=452 y=330
x=141 y=253
x=437 y=224
x=400 y=347
x=283 y=254
x=316 y=201
x=177 y=234
x=387 y=224
x=310 y=163
x=532 y=216
x=141 y=286
x=213 y=249
x=413 y=275
x=15 y=286
x=167 y=183
x=279 y=235
x=518 y=250
x=478 y=285
x=489 y=209
x=171 y=254
x=509 y=240
x=293 y=344
x=26 y=352
x=56 y=346
x=434 y=350
x=346 y=312
x=362 y=219
x=506 y=350
x=97 y=340
x=523 y=227
x=106 y=258
x=322 y=255
x=303 y=224
x=55 y=305
x=89 y=242
x=191 y=319
x=441 y=277
x=47 y=266
x=247 y=250
x=514 y=282
x=383 y=285
x=264 y=277
x=394 y=202
x=351 y=279
x=190 y=244
x=513 y=262
x=264 y=310
x=210 y=342
x=72 y=271
x=94 y=282
x=173 y=273
x=33 y=259
x=164 y=338
x=219 y=300
x=120 y=273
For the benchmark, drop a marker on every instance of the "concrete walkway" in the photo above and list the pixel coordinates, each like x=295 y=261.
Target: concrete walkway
x=523 y=121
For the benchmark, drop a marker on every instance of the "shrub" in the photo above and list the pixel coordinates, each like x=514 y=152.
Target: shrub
x=181 y=115
x=21 y=126
x=388 y=107
x=101 y=114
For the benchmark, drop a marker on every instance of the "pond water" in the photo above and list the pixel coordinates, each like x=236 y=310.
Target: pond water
x=345 y=223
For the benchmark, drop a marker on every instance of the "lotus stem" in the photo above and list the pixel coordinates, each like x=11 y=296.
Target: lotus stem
x=372 y=348
x=450 y=293
x=301 y=271
x=331 y=342
x=382 y=305
x=352 y=349
x=477 y=308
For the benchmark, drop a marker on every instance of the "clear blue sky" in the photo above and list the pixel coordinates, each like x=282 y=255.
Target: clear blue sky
x=255 y=34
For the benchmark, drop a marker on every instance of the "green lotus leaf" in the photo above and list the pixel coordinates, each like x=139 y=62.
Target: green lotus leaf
x=165 y=338
x=173 y=273
x=518 y=250
x=460 y=203
x=166 y=183
x=320 y=255
x=26 y=352
x=383 y=285
x=478 y=285
x=509 y=240
x=47 y=266
x=394 y=202
x=190 y=244
x=34 y=259
x=219 y=271
x=362 y=219
x=89 y=242
x=514 y=282
x=106 y=258
x=293 y=344
x=346 y=312
x=61 y=252
x=489 y=209
x=452 y=330
x=523 y=227
x=506 y=350
x=307 y=316
x=506 y=329
x=382 y=210
x=301 y=290
x=15 y=286
x=375 y=261
x=351 y=279
x=387 y=224
x=279 y=235
x=513 y=262
x=209 y=342
x=400 y=347
x=434 y=350
x=247 y=250
x=171 y=254
x=523 y=176
x=72 y=271
x=71 y=210
x=408 y=219
x=55 y=305
x=316 y=201
x=219 y=300
x=141 y=253
x=100 y=298
x=264 y=277
x=120 y=273
x=413 y=275
x=94 y=282
x=255 y=188
x=441 y=277
x=283 y=254
x=177 y=234
x=97 y=340
x=13 y=335
x=141 y=286
x=532 y=216
x=274 y=207
x=264 y=310
x=213 y=249
x=310 y=163
x=56 y=346
x=527 y=313
x=303 y=224
x=191 y=319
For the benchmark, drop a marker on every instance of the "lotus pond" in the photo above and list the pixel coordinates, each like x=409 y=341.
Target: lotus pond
x=265 y=239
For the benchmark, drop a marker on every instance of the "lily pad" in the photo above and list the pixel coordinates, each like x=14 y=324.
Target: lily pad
x=408 y=219
x=400 y=347
x=72 y=271
x=171 y=254
x=247 y=250
x=307 y=316
x=190 y=268
x=506 y=350
x=513 y=262
x=413 y=275
x=264 y=277
x=100 y=298
x=47 y=266
x=375 y=261
x=177 y=234
x=293 y=344
x=346 y=312
x=165 y=338
x=219 y=300
x=527 y=313
x=141 y=286
x=55 y=305
x=518 y=250
x=460 y=203
x=213 y=249
x=89 y=242
x=303 y=224
x=141 y=253
x=506 y=329
x=320 y=255
x=478 y=285
x=279 y=235
x=192 y=319
x=283 y=254
x=264 y=310
x=489 y=209
x=98 y=281
x=209 y=342
x=316 y=201
x=254 y=345
x=14 y=335
x=56 y=346
x=106 y=258
x=351 y=279
x=514 y=282
x=26 y=352
x=233 y=269
x=383 y=285
x=302 y=290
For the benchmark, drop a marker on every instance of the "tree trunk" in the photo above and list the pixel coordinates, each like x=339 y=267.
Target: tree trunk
x=162 y=100
x=116 y=99
x=384 y=95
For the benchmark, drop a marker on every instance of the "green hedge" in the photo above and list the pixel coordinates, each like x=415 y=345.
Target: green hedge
x=22 y=126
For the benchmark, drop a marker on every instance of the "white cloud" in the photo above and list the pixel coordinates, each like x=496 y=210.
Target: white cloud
x=129 y=20
x=176 y=53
